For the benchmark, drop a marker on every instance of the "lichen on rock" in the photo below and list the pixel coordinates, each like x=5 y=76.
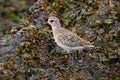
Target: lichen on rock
x=36 y=56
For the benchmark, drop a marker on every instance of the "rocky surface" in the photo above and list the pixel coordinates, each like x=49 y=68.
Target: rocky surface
x=32 y=53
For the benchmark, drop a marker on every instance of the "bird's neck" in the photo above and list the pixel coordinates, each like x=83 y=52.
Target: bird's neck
x=56 y=27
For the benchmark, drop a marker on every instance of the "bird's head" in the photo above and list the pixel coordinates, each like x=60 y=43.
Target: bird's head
x=53 y=21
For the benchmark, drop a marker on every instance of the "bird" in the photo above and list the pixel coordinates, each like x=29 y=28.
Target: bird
x=67 y=39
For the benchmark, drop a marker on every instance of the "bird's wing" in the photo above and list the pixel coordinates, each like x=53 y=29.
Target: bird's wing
x=72 y=40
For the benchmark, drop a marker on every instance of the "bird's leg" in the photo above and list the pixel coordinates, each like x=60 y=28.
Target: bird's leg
x=76 y=54
x=80 y=56
x=71 y=59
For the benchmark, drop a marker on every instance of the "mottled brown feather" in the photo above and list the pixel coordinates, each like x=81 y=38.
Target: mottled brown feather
x=72 y=40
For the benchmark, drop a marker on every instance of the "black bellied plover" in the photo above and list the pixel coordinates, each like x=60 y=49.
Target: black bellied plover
x=66 y=39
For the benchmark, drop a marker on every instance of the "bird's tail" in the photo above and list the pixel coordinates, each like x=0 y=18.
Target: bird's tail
x=90 y=46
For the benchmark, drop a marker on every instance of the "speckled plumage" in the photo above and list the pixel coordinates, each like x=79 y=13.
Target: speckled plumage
x=65 y=38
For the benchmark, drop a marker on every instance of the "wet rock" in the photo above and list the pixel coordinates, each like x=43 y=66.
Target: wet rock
x=7 y=50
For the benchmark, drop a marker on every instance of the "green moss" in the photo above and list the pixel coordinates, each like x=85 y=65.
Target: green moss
x=15 y=17
x=6 y=40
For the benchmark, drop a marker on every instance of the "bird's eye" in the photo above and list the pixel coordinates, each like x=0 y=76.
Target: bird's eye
x=51 y=21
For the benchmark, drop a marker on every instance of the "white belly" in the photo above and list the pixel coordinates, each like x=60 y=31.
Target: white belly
x=68 y=48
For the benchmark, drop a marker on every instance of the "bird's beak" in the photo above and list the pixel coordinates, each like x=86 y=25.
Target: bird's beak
x=48 y=23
